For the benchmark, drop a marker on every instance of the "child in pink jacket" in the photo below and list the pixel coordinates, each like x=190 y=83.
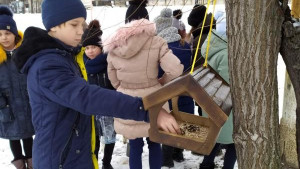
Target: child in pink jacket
x=134 y=56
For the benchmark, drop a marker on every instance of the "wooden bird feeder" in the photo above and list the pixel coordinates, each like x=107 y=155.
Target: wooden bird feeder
x=211 y=93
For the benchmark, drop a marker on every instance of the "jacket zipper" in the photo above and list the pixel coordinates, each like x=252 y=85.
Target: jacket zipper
x=104 y=77
x=64 y=153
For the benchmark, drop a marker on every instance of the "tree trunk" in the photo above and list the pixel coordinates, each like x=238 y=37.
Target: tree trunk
x=254 y=32
x=290 y=51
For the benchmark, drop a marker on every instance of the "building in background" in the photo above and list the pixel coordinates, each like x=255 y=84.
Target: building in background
x=34 y=6
x=17 y=6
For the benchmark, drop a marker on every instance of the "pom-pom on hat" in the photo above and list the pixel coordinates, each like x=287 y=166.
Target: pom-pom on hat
x=6 y=20
x=137 y=10
x=197 y=15
x=92 y=35
x=177 y=13
x=164 y=20
x=56 y=12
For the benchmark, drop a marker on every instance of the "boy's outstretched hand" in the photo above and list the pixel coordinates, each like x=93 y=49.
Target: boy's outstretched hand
x=167 y=122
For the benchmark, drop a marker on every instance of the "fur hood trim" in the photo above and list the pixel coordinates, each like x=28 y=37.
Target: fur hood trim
x=35 y=40
x=3 y=56
x=120 y=37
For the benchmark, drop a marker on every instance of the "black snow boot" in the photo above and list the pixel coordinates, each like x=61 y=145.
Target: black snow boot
x=167 y=152
x=108 y=151
x=178 y=155
x=207 y=166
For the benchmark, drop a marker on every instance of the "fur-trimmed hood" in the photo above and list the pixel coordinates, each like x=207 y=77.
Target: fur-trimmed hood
x=35 y=40
x=3 y=56
x=129 y=39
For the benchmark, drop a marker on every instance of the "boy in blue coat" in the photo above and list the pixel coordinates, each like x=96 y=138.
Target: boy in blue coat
x=62 y=101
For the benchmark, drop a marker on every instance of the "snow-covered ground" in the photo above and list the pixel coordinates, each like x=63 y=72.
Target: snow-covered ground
x=110 y=19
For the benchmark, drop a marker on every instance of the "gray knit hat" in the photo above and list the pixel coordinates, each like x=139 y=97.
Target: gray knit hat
x=164 y=20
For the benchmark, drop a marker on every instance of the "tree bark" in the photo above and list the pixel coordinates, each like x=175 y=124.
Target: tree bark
x=290 y=51
x=254 y=36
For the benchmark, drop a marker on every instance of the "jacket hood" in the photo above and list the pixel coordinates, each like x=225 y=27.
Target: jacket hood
x=3 y=56
x=129 y=39
x=35 y=40
x=217 y=43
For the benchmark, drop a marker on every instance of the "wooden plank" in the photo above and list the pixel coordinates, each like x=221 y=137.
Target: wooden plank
x=221 y=94
x=227 y=105
x=197 y=71
x=217 y=101
x=201 y=74
x=206 y=79
x=168 y=91
x=207 y=104
x=213 y=86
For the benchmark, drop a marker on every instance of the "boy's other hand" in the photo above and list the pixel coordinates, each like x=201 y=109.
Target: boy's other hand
x=167 y=122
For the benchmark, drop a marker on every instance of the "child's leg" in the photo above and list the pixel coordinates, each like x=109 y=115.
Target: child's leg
x=167 y=153
x=178 y=154
x=108 y=151
x=230 y=157
x=16 y=149
x=155 y=155
x=97 y=146
x=136 y=150
x=27 y=147
x=208 y=161
x=108 y=138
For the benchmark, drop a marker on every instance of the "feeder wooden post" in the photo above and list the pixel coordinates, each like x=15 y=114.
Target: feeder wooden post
x=295 y=8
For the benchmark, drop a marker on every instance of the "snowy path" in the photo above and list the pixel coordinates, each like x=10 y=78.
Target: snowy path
x=119 y=159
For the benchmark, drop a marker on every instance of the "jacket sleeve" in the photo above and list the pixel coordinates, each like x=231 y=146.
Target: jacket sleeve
x=112 y=73
x=222 y=65
x=170 y=64
x=61 y=85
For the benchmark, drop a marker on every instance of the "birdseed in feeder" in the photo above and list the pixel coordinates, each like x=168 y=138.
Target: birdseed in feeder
x=193 y=131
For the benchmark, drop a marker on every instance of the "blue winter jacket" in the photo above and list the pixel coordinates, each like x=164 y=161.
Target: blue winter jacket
x=184 y=54
x=62 y=103
x=15 y=112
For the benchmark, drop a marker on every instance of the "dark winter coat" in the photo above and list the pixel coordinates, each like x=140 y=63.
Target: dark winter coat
x=62 y=103
x=136 y=10
x=15 y=112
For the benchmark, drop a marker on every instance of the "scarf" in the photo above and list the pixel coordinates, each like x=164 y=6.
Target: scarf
x=97 y=65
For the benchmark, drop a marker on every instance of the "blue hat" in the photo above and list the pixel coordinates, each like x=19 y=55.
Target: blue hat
x=56 y=12
x=6 y=20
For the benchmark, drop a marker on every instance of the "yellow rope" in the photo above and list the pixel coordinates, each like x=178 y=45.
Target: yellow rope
x=209 y=35
x=196 y=53
x=197 y=49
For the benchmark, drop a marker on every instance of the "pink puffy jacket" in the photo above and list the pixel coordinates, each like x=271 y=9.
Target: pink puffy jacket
x=134 y=56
